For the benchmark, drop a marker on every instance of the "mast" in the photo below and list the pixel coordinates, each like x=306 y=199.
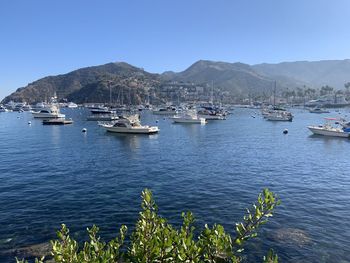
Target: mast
x=274 y=95
x=212 y=92
x=110 y=94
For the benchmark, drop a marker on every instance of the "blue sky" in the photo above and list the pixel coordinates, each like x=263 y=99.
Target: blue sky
x=41 y=37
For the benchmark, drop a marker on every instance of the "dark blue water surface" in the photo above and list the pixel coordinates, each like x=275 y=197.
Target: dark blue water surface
x=56 y=174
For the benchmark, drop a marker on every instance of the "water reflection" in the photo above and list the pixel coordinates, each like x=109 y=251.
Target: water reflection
x=128 y=141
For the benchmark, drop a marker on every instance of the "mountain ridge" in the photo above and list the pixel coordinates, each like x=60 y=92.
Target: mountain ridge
x=93 y=83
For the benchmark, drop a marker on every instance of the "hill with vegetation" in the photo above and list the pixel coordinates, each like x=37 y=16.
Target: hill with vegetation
x=126 y=84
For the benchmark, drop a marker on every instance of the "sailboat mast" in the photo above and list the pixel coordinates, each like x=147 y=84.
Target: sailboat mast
x=274 y=94
x=110 y=94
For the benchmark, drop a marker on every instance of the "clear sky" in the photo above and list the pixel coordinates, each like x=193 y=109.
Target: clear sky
x=41 y=37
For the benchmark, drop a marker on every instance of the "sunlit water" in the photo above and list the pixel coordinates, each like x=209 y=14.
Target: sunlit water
x=55 y=174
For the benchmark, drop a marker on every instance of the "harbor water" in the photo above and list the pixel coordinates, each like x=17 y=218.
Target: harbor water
x=57 y=174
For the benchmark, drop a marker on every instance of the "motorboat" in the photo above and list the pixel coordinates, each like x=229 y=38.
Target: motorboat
x=318 y=110
x=27 y=108
x=328 y=130
x=72 y=105
x=165 y=111
x=279 y=115
x=101 y=110
x=3 y=109
x=211 y=113
x=40 y=106
x=129 y=124
x=50 y=112
x=102 y=117
x=188 y=117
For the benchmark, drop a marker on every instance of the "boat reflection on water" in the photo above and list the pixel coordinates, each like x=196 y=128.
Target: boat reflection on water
x=131 y=141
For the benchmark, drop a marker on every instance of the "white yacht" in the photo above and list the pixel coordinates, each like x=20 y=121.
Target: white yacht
x=328 y=130
x=129 y=124
x=49 y=112
x=188 y=117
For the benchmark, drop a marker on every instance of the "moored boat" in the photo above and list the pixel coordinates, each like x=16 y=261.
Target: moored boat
x=102 y=117
x=188 y=117
x=3 y=109
x=165 y=111
x=129 y=124
x=279 y=116
x=72 y=105
x=328 y=130
x=50 y=112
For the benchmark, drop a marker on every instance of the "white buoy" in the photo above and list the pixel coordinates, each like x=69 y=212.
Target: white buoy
x=84 y=130
x=285 y=131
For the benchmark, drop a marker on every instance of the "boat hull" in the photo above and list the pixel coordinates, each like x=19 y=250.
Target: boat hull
x=274 y=118
x=322 y=131
x=98 y=117
x=148 y=130
x=211 y=117
x=163 y=112
x=47 y=115
x=189 y=121
x=57 y=122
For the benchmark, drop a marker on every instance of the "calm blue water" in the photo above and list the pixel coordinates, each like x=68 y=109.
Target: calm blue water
x=55 y=174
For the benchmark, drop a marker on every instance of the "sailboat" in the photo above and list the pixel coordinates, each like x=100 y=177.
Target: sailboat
x=277 y=113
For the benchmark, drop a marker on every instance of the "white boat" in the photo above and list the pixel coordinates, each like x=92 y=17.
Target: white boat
x=318 y=110
x=100 y=110
x=72 y=105
x=50 y=112
x=102 y=117
x=188 y=117
x=328 y=130
x=129 y=124
x=3 y=109
x=279 y=116
x=210 y=115
x=165 y=111
x=27 y=108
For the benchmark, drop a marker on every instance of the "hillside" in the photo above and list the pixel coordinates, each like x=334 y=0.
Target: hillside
x=316 y=74
x=91 y=84
x=237 y=78
x=129 y=84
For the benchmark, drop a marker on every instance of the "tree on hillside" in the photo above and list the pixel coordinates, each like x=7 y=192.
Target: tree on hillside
x=326 y=90
x=347 y=87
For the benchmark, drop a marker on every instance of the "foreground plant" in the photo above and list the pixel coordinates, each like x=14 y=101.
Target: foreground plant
x=155 y=240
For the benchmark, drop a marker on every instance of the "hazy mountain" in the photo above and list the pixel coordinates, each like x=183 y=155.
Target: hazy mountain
x=317 y=73
x=237 y=78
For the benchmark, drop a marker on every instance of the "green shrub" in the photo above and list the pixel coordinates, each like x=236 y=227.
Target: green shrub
x=155 y=240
